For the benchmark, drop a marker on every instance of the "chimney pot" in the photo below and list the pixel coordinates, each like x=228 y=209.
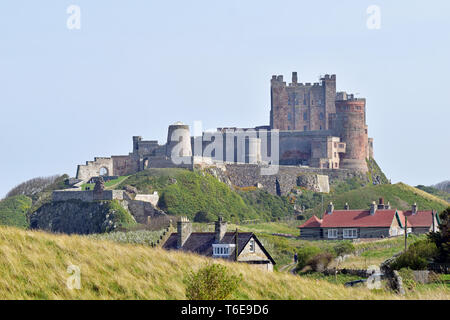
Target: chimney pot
x=373 y=208
x=330 y=208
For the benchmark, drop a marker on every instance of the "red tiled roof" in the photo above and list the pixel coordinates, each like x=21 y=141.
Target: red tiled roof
x=360 y=218
x=420 y=219
x=312 y=222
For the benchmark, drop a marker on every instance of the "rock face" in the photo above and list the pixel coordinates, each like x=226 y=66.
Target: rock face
x=314 y=182
x=75 y=217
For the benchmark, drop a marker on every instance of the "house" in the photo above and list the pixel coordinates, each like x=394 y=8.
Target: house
x=220 y=244
x=380 y=221
x=422 y=221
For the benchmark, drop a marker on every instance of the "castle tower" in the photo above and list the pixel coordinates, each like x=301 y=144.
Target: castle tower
x=349 y=123
x=178 y=135
x=302 y=106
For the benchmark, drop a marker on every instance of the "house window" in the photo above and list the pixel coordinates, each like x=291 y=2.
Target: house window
x=252 y=245
x=332 y=233
x=350 y=233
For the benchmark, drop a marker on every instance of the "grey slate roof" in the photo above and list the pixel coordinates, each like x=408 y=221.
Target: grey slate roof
x=201 y=243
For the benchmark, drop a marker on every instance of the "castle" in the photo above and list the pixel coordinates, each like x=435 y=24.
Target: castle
x=311 y=125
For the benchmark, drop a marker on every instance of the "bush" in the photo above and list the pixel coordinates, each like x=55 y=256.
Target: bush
x=304 y=255
x=417 y=257
x=212 y=282
x=320 y=261
x=343 y=248
x=203 y=216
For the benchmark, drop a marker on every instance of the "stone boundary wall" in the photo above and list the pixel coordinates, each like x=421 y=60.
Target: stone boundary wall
x=245 y=175
x=86 y=196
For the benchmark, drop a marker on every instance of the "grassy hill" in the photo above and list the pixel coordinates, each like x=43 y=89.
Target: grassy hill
x=13 y=211
x=33 y=265
x=400 y=196
x=435 y=192
x=183 y=192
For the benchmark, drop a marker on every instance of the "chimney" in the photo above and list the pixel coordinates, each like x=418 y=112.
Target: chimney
x=184 y=228
x=330 y=208
x=294 y=77
x=220 y=229
x=346 y=206
x=373 y=208
x=381 y=203
x=414 y=208
x=388 y=206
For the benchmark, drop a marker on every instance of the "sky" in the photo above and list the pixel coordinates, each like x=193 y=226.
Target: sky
x=135 y=67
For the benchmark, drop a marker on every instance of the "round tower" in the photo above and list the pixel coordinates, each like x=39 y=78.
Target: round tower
x=179 y=136
x=349 y=123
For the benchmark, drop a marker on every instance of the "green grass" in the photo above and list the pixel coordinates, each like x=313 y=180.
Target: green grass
x=184 y=192
x=111 y=184
x=13 y=211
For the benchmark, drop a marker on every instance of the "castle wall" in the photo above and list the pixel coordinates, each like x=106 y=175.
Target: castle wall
x=125 y=165
x=92 y=168
x=86 y=196
x=281 y=183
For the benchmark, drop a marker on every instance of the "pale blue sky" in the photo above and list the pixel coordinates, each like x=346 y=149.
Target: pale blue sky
x=137 y=66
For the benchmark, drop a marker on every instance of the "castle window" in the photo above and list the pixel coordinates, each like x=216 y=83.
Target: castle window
x=289 y=116
x=289 y=127
x=305 y=116
x=304 y=128
x=321 y=116
x=312 y=102
x=320 y=128
x=304 y=102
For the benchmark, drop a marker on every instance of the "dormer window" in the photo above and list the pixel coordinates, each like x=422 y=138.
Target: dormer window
x=222 y=250
x=252 y=245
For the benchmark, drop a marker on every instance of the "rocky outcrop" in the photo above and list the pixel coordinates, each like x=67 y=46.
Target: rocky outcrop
x=79 y=217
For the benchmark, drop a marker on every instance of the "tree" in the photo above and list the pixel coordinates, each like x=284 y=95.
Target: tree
x=442 y=238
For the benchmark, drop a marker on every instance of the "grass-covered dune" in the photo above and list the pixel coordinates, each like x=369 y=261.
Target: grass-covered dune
x=401 y=196
x=33 y=265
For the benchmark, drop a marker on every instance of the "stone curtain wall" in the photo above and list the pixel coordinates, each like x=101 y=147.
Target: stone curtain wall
x=245 y=175
x=92 y=168
x=86 y=196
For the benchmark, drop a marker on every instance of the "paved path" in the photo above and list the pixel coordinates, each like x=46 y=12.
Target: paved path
x=288 y=268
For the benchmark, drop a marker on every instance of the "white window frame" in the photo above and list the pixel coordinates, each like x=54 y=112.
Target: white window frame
x=350 y=233
x=332 y=233
x=222 y=249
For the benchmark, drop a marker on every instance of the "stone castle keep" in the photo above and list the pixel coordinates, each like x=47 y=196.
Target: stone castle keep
x=315 y=126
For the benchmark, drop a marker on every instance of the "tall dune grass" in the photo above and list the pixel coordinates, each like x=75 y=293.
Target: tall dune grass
x=33 y=265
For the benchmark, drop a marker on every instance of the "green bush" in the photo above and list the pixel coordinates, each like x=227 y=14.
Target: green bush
x=305 y=254
x=343 y=248
x=320 y=261
x=13 y=211
x=211 y=282
x=417 y=256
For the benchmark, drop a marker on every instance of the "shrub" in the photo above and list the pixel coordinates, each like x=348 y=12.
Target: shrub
x=203 y=216
x=343 y=248
x=442 y=237
x=320 y=261
x=211 y=282
x=304 y=254
x=417 y=256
